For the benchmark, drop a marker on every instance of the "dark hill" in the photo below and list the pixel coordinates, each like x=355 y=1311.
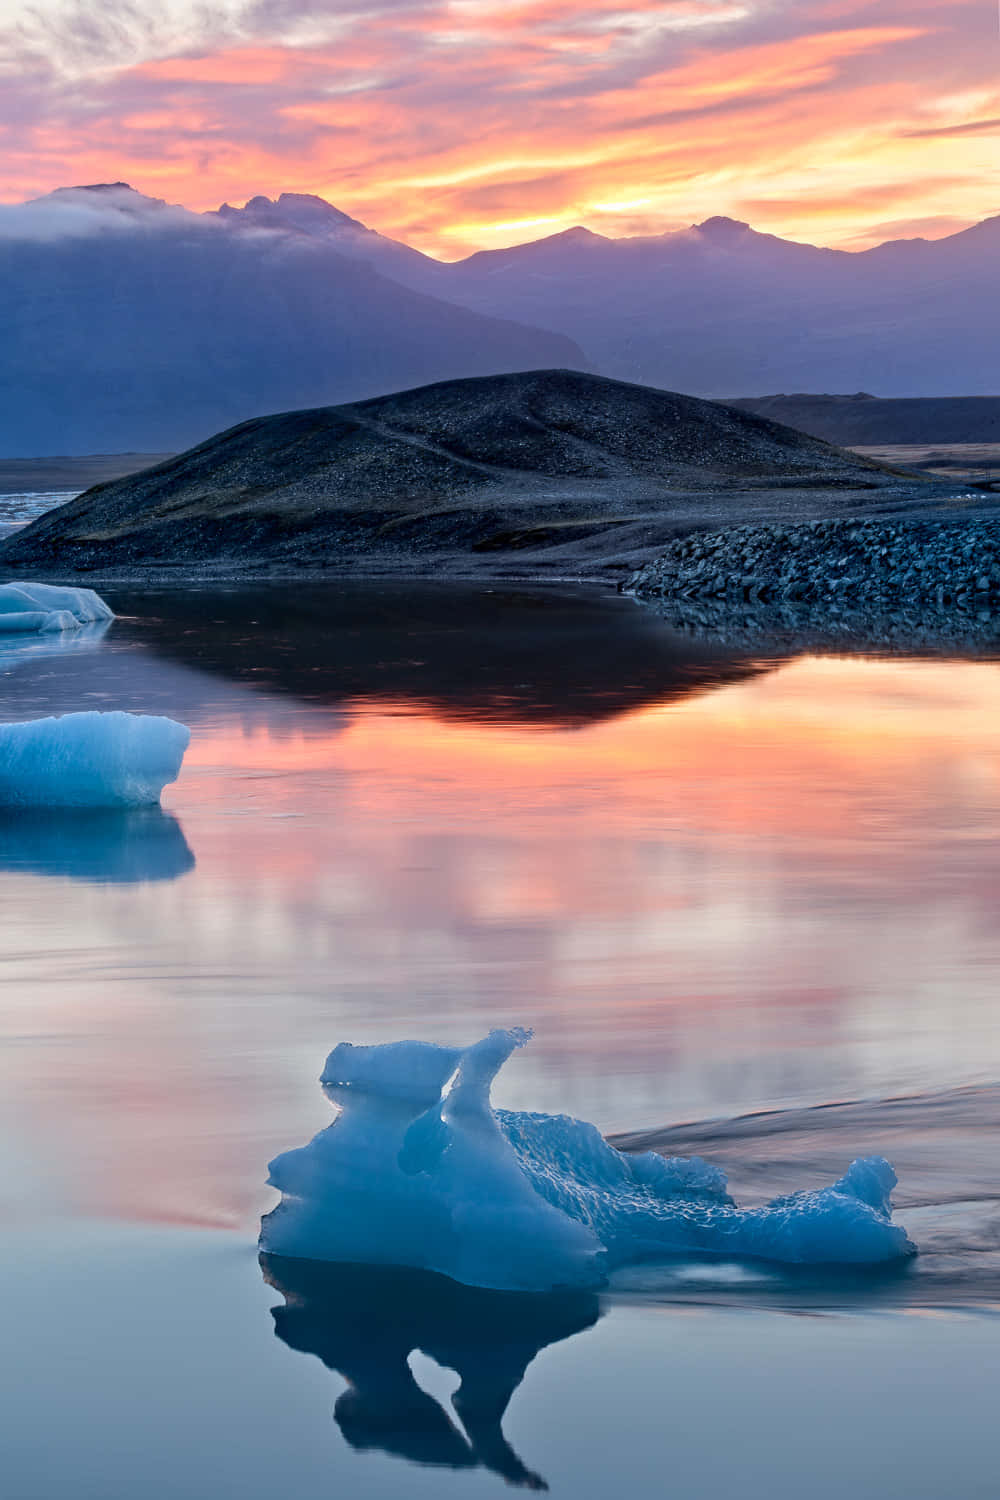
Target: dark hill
x=556 y=466
x=863 y=420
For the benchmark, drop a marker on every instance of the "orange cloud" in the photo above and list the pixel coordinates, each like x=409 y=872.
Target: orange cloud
x=459 y=125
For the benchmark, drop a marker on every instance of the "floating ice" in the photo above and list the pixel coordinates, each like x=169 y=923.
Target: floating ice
x=37 y=607
x=411 y=1175
x=89 y=760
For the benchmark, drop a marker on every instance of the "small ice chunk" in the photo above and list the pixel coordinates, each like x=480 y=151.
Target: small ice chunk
x=43 y=607
x=90 y=760
x=421 y=1171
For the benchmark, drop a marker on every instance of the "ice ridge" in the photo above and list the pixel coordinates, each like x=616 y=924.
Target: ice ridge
x=418 y=1170
x=90 y=760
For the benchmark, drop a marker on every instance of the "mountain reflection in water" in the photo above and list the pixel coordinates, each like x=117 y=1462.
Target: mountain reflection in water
x=364 y=1322
x=561 y=658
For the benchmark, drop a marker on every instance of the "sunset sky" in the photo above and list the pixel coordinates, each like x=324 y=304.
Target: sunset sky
x=462 y=124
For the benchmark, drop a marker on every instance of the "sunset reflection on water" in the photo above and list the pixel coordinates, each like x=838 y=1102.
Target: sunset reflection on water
x=782 y=890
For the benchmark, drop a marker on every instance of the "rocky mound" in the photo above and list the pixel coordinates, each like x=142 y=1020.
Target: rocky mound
x=552 y=462
x=875 y=565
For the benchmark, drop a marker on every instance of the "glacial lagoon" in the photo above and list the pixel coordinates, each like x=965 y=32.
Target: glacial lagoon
x=745 y=899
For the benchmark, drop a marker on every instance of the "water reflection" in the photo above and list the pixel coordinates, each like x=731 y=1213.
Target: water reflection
x=15 y=650
x=557 y=658
x=115 y=846
x=364 y=1322
x=780 y=892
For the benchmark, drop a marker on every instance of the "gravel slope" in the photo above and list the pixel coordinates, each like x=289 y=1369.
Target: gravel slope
x=517 y=473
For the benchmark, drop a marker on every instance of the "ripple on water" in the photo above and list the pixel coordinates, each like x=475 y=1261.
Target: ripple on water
x=943 y=1146
x=18 y=510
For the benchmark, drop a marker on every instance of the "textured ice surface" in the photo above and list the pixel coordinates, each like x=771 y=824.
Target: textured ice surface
x=89 y=760
x=38 y=607
x=413 y=1173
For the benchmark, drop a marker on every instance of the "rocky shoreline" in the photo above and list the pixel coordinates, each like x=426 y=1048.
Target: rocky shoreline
x=949 y=564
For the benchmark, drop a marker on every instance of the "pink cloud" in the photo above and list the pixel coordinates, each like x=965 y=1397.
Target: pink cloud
x=450 y=124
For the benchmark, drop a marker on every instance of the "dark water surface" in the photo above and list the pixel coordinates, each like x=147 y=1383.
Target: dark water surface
x=715 y=883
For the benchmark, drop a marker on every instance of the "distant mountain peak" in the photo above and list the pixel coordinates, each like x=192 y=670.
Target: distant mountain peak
x=119 y=197
x=313 y=203
x=720 y=228
x=97 y=187
x=305 y=211
x=576 y=235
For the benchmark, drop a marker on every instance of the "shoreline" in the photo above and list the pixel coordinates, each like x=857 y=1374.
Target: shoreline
x=868 y=563
x=924 y=579
x=931 y=581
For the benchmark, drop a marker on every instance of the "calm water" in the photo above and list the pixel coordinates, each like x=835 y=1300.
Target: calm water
x=18 y=508
x=714 y=883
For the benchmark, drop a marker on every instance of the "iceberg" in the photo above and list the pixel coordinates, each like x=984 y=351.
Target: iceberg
x=35 y=608
x=90 y=760
x=419 y=1170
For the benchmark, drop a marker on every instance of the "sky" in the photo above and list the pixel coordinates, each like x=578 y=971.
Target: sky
x=458 y=125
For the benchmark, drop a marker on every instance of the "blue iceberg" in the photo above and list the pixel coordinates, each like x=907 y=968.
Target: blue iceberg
x=419 y=1170
x=35 y=608
x=90 y=760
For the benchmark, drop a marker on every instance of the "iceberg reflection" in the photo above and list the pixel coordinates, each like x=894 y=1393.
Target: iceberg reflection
x=365 y=1321
x=105 y=845
x=15 y=649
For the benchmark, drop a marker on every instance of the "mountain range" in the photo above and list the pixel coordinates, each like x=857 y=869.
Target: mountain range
x=719 y=310
x=131 y=324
